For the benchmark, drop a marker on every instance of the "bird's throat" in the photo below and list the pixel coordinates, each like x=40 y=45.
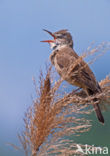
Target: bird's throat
x=58 y=47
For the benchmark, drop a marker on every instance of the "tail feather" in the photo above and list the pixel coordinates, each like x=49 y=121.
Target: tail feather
x=98 y=113
x=96 y=105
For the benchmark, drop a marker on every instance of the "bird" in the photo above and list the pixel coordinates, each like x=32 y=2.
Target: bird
x=63 y=57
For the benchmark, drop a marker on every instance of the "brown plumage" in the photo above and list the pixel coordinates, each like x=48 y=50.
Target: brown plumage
x=64 y=57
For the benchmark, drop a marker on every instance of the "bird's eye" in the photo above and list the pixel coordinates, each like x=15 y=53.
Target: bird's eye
x=60 y=36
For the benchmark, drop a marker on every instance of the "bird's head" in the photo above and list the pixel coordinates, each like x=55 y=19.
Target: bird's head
x=60 y=38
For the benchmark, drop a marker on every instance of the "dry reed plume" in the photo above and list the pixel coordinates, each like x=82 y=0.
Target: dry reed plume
x=54 y=116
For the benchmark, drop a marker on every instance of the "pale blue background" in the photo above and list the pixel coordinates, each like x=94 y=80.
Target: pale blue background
x=22 y=55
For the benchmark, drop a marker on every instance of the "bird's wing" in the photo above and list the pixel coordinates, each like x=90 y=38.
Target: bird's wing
x=65 y=57
x=81 y=73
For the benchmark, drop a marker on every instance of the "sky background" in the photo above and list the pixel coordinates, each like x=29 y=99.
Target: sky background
x=22 y=54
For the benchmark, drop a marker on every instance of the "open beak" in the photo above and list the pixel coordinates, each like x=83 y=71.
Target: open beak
x=49 y=41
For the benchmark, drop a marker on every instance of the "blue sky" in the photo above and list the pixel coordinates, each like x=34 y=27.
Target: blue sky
x=22 y=55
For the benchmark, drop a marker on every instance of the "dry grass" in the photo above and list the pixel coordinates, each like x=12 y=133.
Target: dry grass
x=54 y=116
x=50 y=118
